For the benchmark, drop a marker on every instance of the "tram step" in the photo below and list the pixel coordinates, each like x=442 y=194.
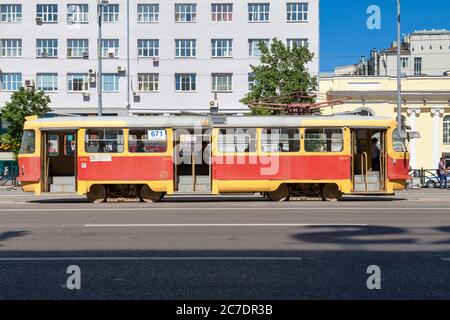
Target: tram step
x=370 y=187
x=206 y=187
x=63 y=180
x=58 y=188
x=371 y=178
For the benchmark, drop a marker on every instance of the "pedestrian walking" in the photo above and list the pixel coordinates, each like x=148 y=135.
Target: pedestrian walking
x=375 y=155
x=442 y=171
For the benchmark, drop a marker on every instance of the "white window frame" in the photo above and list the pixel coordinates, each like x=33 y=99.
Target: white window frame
x=221 y=12
x=222 y=82
x=151 y=46
x=222 y=48
x=106 y=81
x=253 y=50
x=404 y=62
x=11 y=48
x=44 y=81
x=185 y=12
x=251 y=81
x=46 y=45
x=189 y=79
x=84 y=77
x=259 y=12
x=77 y=51
x=148 y=12
x=78 y=13
x=10 y=13
x=294 y=41
x=446 y=129
x=108 y=44
x=110 y=13
x=148 y=82
x=418 y=66
x=297 y=11
x=10 y=81
x=48 y=12
x=186 y=46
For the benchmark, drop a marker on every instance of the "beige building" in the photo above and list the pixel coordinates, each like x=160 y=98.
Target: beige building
x=426 y=109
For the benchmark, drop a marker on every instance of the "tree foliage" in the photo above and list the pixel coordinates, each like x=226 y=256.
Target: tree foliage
x=281 y=76
x=23 y=103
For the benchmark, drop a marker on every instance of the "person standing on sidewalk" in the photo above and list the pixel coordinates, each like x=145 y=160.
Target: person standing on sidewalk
x=442 y=174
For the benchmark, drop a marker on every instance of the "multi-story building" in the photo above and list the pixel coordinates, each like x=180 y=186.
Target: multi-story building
x=164 y=56
x=423 y=53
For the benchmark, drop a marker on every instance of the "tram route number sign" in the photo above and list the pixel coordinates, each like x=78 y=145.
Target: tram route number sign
x=156 y=135
x=100 y=158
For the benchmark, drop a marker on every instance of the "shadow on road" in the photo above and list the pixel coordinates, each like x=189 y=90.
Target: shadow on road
x=4 y=236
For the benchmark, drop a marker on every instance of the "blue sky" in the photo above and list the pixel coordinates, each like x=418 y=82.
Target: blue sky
x=345 y=36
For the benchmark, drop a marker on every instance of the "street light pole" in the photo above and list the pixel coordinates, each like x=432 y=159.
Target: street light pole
x=399 y=71
x=100 y=4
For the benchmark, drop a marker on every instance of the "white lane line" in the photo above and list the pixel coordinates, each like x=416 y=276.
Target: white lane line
x=445 y=259
x=150 y=209
x=228 y=225
x=149 y=258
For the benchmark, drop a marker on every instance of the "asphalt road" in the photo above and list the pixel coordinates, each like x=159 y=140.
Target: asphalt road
x=226 y=248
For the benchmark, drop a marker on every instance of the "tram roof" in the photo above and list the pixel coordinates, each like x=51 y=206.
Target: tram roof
x=193 y=121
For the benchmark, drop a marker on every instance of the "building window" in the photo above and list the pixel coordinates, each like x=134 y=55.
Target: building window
x=77 y=13
x=185 y=48
x=323 y=140
x=222 y=82
x=251 y=81
x=148 y=13
x=147 y=140
x=185 y=82
x=104 y=140
x=110 y=48
x=222 y=48
x=258 y=12
x=148 y=48
x=77 y=48
x=11 y=81
x=77 y=82
x=110 y=82
x=148 y=82
x=447 y=129
x=237 y=140
x=10 y=48
x=10 y=13
x=47 y=82
x=47 y=48
x=110 y=13
x=185 y=12
x=253 y=45
x=297 y=11
x=48 y=13
x=280 y=140
x=222 y=12
x=417 y=66
x=404 y=62
x=291 y=43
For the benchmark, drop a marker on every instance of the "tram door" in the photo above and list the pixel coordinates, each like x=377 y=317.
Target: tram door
x=369 y=160
x=59 y=161
x=192 y=162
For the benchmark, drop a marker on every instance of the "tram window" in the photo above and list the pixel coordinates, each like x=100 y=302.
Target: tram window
x=280 y=140
x=69 y=144
x=104 y=140
x=237 y=140
x=147 y=140
x=53 y=145
x=397 y=142
x=28 y=142
x=323 y=140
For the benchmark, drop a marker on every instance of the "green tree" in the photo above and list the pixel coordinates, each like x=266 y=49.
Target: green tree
x=23 y=103
x=281 y=76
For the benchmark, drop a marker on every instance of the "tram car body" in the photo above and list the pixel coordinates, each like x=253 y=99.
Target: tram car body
x=149 y=157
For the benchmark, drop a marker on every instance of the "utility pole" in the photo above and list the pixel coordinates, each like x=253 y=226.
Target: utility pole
x=100 y=4
x=399 y=72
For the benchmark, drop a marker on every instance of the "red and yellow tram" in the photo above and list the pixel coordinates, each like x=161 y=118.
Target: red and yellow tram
x=149 y=157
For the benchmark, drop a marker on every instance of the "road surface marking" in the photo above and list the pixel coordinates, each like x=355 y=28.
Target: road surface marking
x=147 y=258
x=228 y=225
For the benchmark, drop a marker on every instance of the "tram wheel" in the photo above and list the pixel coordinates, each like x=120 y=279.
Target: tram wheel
x=149 y=196
x=331 y=192
x=97 y=194
x=281 y=194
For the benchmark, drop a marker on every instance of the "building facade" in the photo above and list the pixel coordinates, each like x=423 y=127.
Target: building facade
x=423 y=53
x=165 y=56
x=425 y=109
